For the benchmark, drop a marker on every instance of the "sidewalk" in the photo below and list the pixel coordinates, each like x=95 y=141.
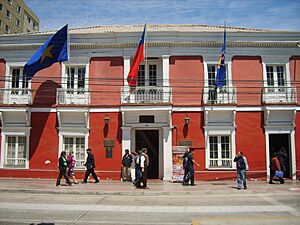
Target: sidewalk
x=156 y=187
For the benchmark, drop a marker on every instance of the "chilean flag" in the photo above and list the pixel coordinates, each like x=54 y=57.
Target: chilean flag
x=138 y=58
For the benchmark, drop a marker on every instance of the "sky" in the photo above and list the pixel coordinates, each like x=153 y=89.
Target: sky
x=263 y=14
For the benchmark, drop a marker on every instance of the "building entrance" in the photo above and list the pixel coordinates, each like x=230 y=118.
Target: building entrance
x=277 y=141
x=149 y=139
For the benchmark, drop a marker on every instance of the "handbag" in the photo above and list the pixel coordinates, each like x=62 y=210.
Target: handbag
x=279 y=174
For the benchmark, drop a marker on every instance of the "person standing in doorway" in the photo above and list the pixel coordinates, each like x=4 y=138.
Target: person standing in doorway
x=144 y=163
x=241 y=167
x=63 y=166
x=126 y=164
x=282 y=157
x=90 y=166
x=275 y=165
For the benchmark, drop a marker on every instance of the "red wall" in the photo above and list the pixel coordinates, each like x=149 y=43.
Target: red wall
x=247 y=76
x=106 y=80
x=186 y=80
x=297 y=144
x=295 y=74
x=2 y=73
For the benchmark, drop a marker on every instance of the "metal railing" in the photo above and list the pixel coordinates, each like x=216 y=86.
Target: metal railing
x=13 y=162
x=21 y=96
x=279 y=95
x=223 y=95
x=72 y=97
x=223 y=163
x=150 y=95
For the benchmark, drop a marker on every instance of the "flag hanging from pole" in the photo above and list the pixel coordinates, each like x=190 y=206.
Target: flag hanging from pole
x=55 y=49
x=138 y=58
x=221 y=69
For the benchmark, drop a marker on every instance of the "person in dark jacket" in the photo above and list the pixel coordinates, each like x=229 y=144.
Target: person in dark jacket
x=90 y=166
x=185 y=168
x=63 y=166
x=189 y=169
x=282 y=157
x=126 y=164
x=241 y=167
x=275 y=165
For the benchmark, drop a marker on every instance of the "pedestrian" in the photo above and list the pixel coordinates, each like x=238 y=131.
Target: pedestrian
x=189 y=178
x=72 y=163
x=90 y=166
x=132 y=167
x=63 y=166
x=144 y=163
x=184 y=164
x=282 y=157
x=138 y=170
x=126 y=164
x=241 y=167
x=275 y=166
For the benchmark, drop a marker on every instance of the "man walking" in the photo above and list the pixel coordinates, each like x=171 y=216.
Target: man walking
x=90 y=166
x=144 y=163
x=189 y=168
x=241 y=167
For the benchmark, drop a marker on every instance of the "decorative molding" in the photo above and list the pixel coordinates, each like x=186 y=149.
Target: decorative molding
x=73 y=46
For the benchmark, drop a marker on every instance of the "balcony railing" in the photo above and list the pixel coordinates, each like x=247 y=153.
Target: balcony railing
x=224 y=95
x=275 y=95
x=220 y=163
x=13 y=162
x=21 y=96
x=149 y=95
x=72 y=97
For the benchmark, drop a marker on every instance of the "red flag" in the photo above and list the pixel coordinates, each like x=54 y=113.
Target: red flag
x=138 y=58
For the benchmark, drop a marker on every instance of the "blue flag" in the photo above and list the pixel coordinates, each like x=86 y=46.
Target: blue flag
x=55 y=49
x=221 y=70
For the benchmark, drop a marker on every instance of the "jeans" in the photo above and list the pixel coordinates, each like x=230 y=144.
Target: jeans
x=241 y=178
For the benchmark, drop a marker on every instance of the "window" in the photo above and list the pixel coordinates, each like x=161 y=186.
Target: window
x=15 y=154
x=150 y=78
x=19 y=79
x=7 y=29
x=18 y=9
x=1 y=7
x=0 y=23
x=220 y=154
x=77 y=145
x=28 y=19
x=17 y=22
x=9 y=2
x=212 y=73
x=76 y=79
x=276 y=78
x=8 y=15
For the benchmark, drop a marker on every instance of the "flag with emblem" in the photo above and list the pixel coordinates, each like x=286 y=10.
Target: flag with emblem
x=221 y=68
x=55 y=49
x=138 y=58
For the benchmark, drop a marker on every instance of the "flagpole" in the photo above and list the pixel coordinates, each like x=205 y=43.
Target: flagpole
x=69 y=64
x=145 y=51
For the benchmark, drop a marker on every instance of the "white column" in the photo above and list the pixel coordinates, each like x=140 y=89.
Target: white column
x=126 y=62
x=165 y=68
x=126 y=139
x=167 y=153
x=267 y=155
x=293 y=155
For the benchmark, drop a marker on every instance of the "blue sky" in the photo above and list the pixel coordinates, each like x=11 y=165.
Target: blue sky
x=265 y=14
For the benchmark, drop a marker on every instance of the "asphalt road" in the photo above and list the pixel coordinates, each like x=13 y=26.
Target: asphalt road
x=241 y=207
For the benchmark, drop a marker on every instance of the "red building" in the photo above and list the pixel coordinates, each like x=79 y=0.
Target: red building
x=87 y=103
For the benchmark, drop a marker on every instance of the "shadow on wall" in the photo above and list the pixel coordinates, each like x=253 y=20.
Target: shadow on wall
x=45 y=97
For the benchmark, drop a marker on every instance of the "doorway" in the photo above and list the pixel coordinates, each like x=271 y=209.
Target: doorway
x=276 y=141
x=149 y=139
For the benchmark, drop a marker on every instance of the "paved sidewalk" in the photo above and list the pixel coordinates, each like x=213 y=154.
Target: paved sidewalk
x=156 y=187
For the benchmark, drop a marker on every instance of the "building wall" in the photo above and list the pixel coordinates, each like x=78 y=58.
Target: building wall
x=186 y=80
x=106 y=80
x=2 y=73
x=295 y=74
x=247 y=76
x=297 y=144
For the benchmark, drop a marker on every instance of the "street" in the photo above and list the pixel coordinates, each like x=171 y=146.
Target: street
x=203 y=206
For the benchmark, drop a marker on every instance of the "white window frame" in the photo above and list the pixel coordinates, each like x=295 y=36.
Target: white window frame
x=18 y=9
x=8 y=15
x=14 y=131
x=215 y=63
x=9 y=69
x=17 y=22
x=73 y=132
x=159 y=74
x=7 y=29
x=65 y=75
x=74 y=149
x=286 y=71
x=219 y=133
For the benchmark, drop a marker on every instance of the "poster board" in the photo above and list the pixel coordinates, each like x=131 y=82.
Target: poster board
x=177 y=167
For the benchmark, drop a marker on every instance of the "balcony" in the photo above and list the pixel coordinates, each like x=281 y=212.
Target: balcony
x=277 y=95
x=72 y=97
x=148 y=95
x=16 y=96
x=220 y=163
x=224 y=95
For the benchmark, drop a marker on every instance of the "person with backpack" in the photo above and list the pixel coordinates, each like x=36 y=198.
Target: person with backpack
x=126 y=164
x=241 y=167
